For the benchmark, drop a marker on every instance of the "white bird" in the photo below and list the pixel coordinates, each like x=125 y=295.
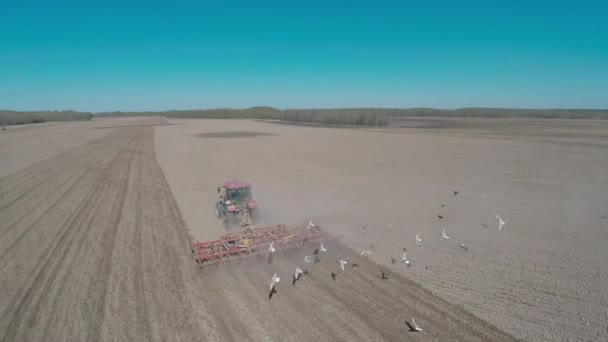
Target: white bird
x=310 y=225
x=271 y=248
x=501 y=222
x=444 y=235
x=307 y=258
x=275 y=281
x=404 y=259
x=322 y=249
x=298 y=273
x=342 y=263
x=366 y=252
x=415 y=326
x=390 y=225
x=418 y=239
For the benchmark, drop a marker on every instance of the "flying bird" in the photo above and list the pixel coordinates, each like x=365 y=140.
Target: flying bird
x=501 y=222
x=484 y=225
x=466 y=249
x=364 y=226
x=271 y=248
x=342 y=263
x=296 y=275
x=444 y=235
x=354 y=265
x=384 y=276
x=307 y=258
x=440 y=217
x=333 y=276
x=275 y=281
x=455 y=192
x=366 y=253
x=413 y=326
x=404 y=259
x=392 y=260
x=310 y=225
x=443 y=205
x=418 y=239
x=390 y=225
x=323 y=249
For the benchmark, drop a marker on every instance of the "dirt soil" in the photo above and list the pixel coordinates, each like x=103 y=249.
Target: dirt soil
x=94 y=248
x=541 y=278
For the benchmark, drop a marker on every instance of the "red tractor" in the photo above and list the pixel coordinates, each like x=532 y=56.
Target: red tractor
x=235 y=205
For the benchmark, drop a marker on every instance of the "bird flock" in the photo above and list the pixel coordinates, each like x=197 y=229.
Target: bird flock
x=445 y=236
x=413 y=326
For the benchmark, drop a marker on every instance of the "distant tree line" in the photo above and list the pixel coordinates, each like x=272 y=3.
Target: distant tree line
x=359 y=117
x=8 y=117
x=338 y=116
x=366 y=116
x=479 y=112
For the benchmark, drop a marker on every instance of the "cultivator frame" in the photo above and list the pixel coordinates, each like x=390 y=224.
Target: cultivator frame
x=253 y=241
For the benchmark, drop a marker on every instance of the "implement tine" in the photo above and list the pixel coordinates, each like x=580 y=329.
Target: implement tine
x=253 y=241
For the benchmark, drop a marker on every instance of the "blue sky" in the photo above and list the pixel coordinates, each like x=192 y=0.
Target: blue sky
x=157 y=55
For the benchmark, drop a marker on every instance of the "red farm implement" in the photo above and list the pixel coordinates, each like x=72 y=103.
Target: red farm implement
x=253 y=241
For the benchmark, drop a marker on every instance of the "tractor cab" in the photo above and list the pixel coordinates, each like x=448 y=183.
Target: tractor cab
x=238 y=195
x=235 y=204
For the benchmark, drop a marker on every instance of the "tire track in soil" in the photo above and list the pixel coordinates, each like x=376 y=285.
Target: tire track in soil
x=79 y=245
x=16 y=181
x=141 y=309
x=47 y=271
x=48 y=210
x=69 y=264
x=105 y=267
x=112 y=262
x=180 y=281
x=45 y=258
x=68 y=167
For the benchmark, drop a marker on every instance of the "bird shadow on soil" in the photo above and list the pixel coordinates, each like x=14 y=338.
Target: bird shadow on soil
x=272 y=292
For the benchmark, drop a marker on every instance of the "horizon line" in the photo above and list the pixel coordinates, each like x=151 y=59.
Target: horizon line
x=306 y=108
